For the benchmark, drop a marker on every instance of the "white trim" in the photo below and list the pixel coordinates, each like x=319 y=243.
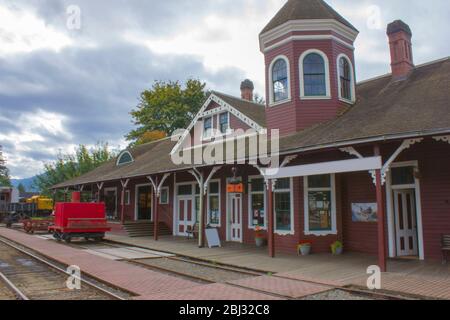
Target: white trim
x=306 y=190
x=105 y=190
x=136 y=188
x=390 y=209
x=352 y=80
x=307 y=25
x=120 y=157
x=291 y=192
x=271 y=101
x=174 y=206
x=327 y=95
x=308 y=38
x=249 y=201
x=220 y=203
x=168 y=196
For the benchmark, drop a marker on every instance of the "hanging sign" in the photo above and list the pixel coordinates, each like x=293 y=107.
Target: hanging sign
x=235 y=188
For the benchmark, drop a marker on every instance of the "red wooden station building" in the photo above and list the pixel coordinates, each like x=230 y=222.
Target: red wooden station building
x=364 y=163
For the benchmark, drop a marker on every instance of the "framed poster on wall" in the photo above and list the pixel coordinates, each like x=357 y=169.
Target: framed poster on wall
x=364 y=212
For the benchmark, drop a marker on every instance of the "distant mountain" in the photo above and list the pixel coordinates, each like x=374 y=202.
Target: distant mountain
x=27 y=183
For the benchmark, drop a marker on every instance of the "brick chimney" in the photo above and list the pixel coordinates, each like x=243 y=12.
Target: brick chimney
x=400 y=36
x=247 y=88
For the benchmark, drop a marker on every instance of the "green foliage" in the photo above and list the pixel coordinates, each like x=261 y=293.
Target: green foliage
x=166 y=107
x=21 y=188
x=69 y=166
x=5 y=179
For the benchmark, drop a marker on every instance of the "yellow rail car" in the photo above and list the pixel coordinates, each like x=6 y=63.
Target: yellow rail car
x=43 y=204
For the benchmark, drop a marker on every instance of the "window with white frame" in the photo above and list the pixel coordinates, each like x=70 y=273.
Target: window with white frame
x=207 y=127
x=320 y=205
x=346 y=78
x=279 y=74
x=164 y=196
x=257 y=203
x=224 y=122
x=314 y=75
x=214 y=203
x=283 y=206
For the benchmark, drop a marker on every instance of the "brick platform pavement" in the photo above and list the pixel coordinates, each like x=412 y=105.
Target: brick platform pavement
x=283 y=287
x=146 y=284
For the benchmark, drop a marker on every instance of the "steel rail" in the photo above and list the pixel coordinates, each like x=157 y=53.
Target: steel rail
x=55 y=267
x=19 y=294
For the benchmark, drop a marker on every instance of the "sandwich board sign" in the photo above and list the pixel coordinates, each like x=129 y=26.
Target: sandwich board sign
x=212 y=236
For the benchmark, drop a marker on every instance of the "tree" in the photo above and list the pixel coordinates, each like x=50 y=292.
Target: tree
x=166 y=107
x=69 y=166
x=5 y=179
x=21 y=188
x=150 y=136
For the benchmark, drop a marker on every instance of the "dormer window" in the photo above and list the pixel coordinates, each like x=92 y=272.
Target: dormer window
x=207 y=127
x=224 y=123
x=314 y=75
x=279 y=79
x=124 y=158
x=346 y=79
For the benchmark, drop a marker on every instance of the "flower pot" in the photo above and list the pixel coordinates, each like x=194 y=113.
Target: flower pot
x=260 y=242
x=305 y=250
x=338 y=251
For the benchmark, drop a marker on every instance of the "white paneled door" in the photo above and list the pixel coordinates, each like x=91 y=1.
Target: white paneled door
x=406 y=222
x=235 y=210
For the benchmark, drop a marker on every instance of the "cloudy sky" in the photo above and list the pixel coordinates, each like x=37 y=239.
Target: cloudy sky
x=61 y=85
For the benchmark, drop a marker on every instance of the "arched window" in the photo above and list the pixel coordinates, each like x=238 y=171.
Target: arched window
x=124 y=158
x=280 y=81
x=314 y=75
x=346 y=78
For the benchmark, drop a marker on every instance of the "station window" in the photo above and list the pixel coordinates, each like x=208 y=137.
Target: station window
x=283 y=206
x=224 y=124
x=257 y=203
x=214 y=203
x=164 y=196
x=320 y=204
x=207 y=127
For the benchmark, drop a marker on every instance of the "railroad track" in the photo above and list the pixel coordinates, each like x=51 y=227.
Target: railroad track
x=26 y=276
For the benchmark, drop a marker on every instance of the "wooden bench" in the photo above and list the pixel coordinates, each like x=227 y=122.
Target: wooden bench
x=193 y=231
x=445 y=246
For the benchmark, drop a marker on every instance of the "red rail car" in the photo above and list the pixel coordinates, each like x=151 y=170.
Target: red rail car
x=79 y=220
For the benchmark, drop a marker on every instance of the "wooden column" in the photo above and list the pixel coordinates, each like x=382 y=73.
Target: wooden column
x=382 y=263
x=270 y=217
x=155 y=213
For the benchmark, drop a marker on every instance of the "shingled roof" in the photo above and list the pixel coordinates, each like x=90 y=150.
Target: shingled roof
x=305 y=10
x=384 y=109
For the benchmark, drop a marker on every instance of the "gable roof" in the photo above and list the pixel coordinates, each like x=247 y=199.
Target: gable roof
x=305 y=10
x=251 y=113
x=253 y=110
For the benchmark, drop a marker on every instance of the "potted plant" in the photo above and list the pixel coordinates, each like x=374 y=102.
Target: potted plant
x=337 y=248
x=304 y=248
x=260 y=238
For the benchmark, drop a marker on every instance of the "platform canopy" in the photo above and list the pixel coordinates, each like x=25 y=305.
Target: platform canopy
x=343 y=166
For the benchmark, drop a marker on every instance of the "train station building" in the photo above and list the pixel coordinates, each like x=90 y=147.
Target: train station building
x=364 y=163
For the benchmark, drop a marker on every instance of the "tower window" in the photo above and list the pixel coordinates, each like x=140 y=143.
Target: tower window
x=314 y=75
x=346 y=78
x=280 y=82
